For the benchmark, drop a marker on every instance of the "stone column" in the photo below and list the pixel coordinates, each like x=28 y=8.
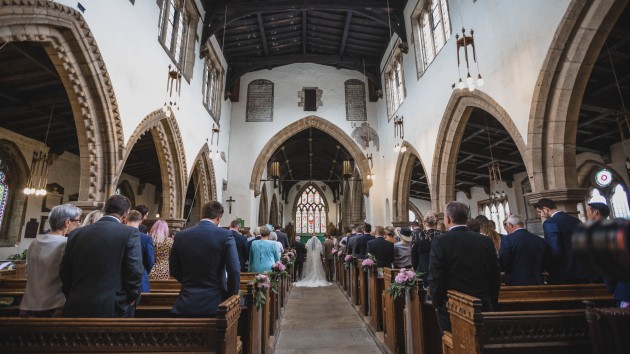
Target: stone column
x=175 y=224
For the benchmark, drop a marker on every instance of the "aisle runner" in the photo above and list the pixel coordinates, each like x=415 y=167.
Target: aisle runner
x=320 y=320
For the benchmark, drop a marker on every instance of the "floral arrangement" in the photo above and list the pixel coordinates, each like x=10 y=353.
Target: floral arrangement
x=287 y=259
x=405 y=280
x=347 y=261
x=261 y=282
x=278 y=271
x=334 y=251
x=368 y=263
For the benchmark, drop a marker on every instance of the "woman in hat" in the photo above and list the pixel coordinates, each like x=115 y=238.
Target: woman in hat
x=402 y=249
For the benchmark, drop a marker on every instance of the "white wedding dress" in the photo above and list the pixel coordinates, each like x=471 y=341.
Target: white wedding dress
x=314 y=275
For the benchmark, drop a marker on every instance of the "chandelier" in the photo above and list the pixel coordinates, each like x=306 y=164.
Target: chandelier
x=464 y=42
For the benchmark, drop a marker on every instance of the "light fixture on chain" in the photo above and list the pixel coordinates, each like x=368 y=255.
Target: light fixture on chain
x=38 y=177
x=399 y=133
x=173 y=91
x=464 y=42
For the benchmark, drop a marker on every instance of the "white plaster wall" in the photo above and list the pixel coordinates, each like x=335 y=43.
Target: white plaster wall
x=423 y=205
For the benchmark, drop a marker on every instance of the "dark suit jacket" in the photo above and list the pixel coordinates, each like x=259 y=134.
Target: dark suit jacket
x=241 y=249
x=199 y=259
x=148 y=259
x=360 y=245
x=351 y=240
x=558 y=232
x=523 y=257
x=101 y=270
x=382 y=250
x=300 y=251
x=143 y=228
x=282 y=238
x=465 y=261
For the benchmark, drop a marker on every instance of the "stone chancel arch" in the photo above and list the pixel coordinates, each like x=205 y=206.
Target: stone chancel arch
x=204 y=168
x=402 y=182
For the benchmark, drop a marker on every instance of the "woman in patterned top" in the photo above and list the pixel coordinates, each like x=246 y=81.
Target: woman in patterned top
x=162 y=245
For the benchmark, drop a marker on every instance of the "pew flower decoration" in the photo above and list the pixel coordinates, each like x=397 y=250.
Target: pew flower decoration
x=347 y=261
x=261 y=283
x=368 y=263
x=278 y=271
x=405 y=280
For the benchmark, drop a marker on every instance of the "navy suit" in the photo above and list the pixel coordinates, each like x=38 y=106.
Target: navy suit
x=148 y=259
x=382 y=250
x=101 y=270
x=558 y=232
x=360 y=245
x=523 y=257
x=200 y=257
x=241 y=249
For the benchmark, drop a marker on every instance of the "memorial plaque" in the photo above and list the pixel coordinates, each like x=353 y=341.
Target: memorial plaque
x=355 y=100
x=260 y=101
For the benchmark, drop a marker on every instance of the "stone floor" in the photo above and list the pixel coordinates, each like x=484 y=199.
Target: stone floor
x=320 y=321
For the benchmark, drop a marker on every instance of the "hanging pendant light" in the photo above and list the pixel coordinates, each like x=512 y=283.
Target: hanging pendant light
x=38 y=178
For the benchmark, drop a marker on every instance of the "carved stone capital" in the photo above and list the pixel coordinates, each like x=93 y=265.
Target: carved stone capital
x=565 y=199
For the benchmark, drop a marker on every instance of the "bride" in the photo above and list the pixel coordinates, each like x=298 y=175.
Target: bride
x=314 y=275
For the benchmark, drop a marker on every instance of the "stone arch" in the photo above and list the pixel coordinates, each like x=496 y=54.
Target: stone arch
x=263 y=207
x=279 y=138
x=127 y=191
x=560 y=87
x=170 y=151
x=204 y=167
x=402 y=179
x=456 y=115
x=17 y=176
x=416 y=211
x=71 y=47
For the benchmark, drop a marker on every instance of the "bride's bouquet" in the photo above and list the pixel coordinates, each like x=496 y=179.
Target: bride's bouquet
x=261 y=282
x=405 y=280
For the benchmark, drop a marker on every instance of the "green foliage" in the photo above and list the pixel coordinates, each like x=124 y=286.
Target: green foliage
x=18 y=256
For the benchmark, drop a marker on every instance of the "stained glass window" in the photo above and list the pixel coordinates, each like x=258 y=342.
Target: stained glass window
x=310 y=212
x=4 y=194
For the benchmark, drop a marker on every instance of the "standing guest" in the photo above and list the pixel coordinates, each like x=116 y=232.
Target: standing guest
x=134 y=219
x=255 y=236
x=201 y=257
x=101 y=269
x=241 y=243
x=381 y=249
x=523 y=255
x=144 y=210
x=402 y=249
x=473 y=225
x=390 y=234
x=274 y=237
x=488 y=228
x=43 y=296
x=163 y=244
x=359 y=249
x=558 y=227
x=597 y=212
x=282 y=237
x=481 y=218
x=344 y=239
x=462 y=260
x=423 y=247
x=357 y=232
x=329 y=257
x=300 y=252
x=263 y=253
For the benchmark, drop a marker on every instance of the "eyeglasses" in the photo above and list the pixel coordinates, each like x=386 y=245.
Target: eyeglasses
x=75 y=220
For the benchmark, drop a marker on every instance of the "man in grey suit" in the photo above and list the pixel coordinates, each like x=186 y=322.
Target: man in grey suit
x=101 y=268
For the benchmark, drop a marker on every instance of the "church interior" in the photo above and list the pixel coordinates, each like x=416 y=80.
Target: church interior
x=318 y=116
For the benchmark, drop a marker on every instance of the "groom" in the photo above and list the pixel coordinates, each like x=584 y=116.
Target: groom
x=300 y=252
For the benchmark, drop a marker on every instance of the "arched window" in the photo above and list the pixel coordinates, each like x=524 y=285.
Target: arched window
x=619 y=203
x=4 y=195
x=497 y=210
x=412 y=216
x=596 y=197
x=606 y=188
x=310 y=213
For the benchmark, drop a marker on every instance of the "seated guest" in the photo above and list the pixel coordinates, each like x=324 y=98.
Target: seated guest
x=273 y=236
x=488 y=229
x=381 y=249
x=263 y=253
x=201 y=258
x=462 y=260
x=402 y=249
x=43 y=296
x=101 y=269
x=162 y=243
x=134 y=219
x=523 y=255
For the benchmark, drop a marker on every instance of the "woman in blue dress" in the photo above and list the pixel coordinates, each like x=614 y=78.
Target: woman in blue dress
x=263 y=253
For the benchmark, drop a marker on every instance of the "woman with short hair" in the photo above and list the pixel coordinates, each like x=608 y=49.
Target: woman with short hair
x=263 y=253
x=43 y=296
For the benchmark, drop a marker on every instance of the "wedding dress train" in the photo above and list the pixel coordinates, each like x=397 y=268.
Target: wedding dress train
x=314 y=274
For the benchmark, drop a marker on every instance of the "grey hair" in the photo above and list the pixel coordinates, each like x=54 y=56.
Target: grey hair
x=430 y=218
x=297 y=238
x=273 y=236
x=458 y=212
x=515 y=219
x=60 y=213
x=256 y=231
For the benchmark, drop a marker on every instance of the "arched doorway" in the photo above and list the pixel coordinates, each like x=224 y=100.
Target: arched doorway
x=13 y=174
x=410 y=182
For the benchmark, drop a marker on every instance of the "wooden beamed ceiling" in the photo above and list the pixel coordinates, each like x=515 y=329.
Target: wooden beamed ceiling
x=349 y=34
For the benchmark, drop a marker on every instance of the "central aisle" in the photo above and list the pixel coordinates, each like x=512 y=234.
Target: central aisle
x=321 y=320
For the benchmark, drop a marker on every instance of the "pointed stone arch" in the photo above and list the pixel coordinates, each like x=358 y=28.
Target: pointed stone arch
x=204 y=168
x=402 y=180
x=263 y=207
x=334 y=131
x=17 y=178
x=555 y=107
x=456 y=115
x=170 y=151
x=71 y=47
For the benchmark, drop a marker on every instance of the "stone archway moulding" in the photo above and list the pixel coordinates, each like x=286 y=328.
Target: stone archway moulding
x=560 y=87
x=72 y=48
x=402 y=180
x=205 y=167
x=170 y=151
x=449 y=138
x=331 y=129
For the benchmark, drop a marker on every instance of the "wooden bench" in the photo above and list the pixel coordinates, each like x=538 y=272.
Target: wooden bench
x=108 y=335
x=393 y=315
x=363 y=289
x=375 y=287
x=539 y=331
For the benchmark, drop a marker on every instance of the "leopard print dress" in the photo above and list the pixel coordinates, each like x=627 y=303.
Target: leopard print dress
x=162 y=252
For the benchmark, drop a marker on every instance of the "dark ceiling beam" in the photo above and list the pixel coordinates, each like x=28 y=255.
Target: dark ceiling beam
x=487 y=157
x=598 y=109
x=600 y=136
x=609 y=86
x=304 y=28
x=498 y=142
x=37 y=61
x=472 y=135
x=334 y=162
x=29 y=105
x=585 y=149
x=263 y=38
x=593 y=120
x=346 y=30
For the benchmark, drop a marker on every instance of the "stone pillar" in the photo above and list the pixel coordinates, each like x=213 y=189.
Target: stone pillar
x=175 y=224
x=566 y=199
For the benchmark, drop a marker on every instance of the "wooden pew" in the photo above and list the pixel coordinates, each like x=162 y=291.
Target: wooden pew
x=424 y=328
x=114 y=335
x=363 y=289
x=539 y=331
x=393 y=316
x=375 y=287
x=355 y=282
